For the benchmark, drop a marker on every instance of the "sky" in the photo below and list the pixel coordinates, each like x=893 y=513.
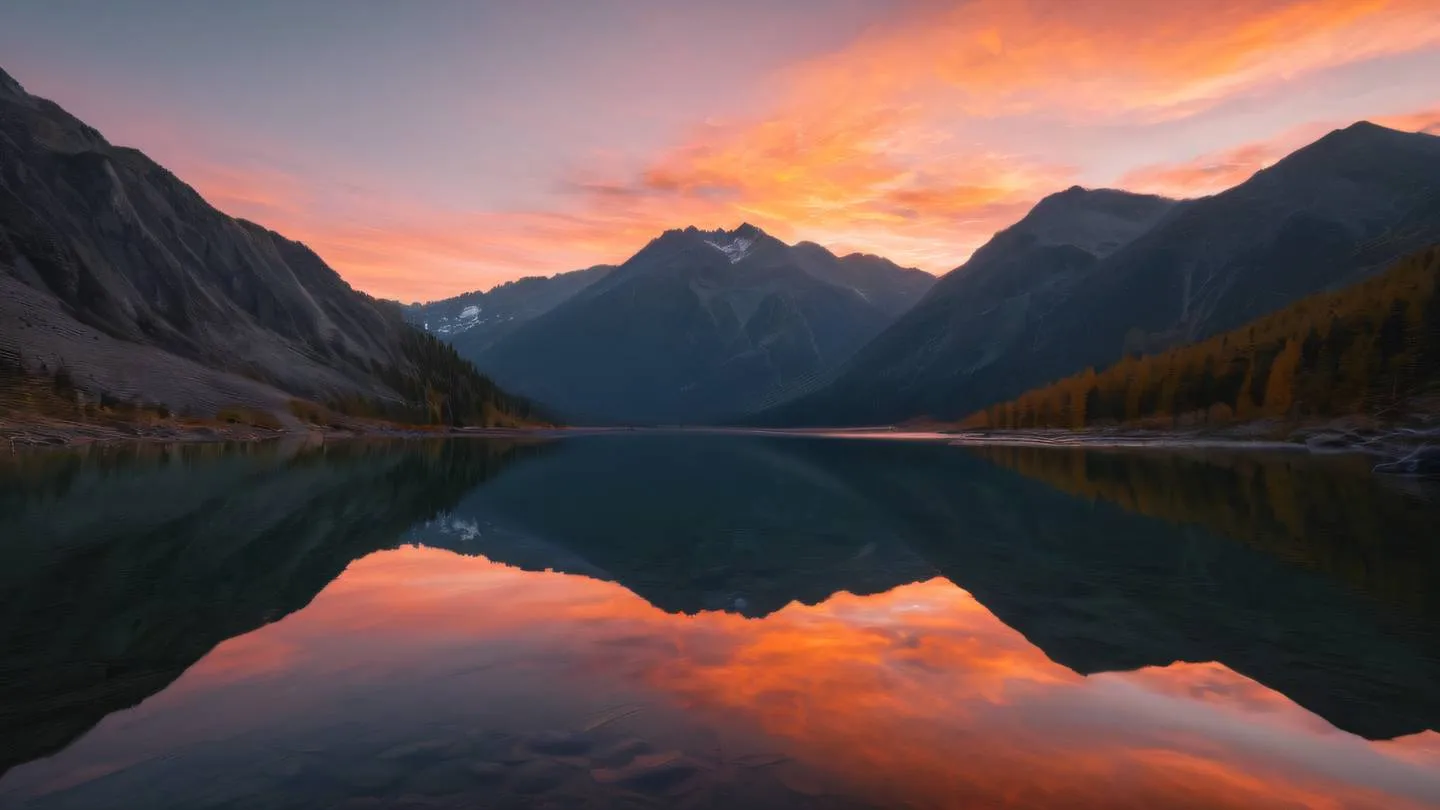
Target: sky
x=425 y=149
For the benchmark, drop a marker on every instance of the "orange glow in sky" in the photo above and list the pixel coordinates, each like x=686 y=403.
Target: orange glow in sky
x=455 y=158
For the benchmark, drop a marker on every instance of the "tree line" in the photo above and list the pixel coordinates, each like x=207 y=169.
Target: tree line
x=1369 y=348
x=435 y=384
x=439 y=387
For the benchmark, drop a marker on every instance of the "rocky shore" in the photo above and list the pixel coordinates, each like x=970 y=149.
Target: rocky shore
x=1411 y=451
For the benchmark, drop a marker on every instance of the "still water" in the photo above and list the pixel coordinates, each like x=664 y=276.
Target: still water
x=715 y=622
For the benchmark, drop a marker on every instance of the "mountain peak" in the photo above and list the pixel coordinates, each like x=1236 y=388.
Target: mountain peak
x=747 y=231
x=1362 y=126
x=736 y=244
x=1361 y=150
x=8 y=85
x=1364 y=135
x=1094 y=196
x=1077 y=215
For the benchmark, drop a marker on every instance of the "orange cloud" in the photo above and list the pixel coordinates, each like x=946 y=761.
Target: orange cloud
x=1207 y=174
x=875 y=147
x=1427 y=121
x=883 y=145
x=1108 y=57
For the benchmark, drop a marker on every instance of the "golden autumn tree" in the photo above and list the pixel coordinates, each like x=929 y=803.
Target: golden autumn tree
x=1280 y=387
x=1368 y=348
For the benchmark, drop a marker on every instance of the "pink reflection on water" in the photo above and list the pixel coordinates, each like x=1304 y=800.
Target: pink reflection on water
x=917 y=697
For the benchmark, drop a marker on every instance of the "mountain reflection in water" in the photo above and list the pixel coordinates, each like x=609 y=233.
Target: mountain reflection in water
x=681 y=621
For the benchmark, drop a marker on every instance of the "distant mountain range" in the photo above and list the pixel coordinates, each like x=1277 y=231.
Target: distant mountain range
x=474 y=321
x=114 y=270
x=698 y=326
x=707 y=326
x=119 y=274
x=1089 y=276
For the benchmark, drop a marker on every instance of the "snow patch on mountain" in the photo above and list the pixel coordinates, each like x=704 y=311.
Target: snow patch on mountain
x=468 y=319
x=736 y=248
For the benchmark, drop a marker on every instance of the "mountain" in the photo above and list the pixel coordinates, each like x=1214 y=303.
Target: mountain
x=701 y=325
x=1369 y=348
x=977 y=313
x=1114 y=273
x=114 y=270
x=474 y=321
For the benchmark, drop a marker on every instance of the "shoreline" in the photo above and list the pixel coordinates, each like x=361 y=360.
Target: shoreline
x=59 y=435
x=1399 y=451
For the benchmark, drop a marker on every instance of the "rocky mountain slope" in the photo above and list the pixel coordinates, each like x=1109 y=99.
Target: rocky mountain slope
x=118 y=272
x=701 y=325
x=472 y=322
x=1090 y=276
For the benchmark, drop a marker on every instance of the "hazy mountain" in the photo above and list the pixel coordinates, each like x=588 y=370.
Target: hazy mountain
x=1088 y=276
x=115 y=269
x=474 y=321
x=701 y=325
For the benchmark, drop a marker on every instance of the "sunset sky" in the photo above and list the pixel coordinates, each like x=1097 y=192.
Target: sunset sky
x=425 y=149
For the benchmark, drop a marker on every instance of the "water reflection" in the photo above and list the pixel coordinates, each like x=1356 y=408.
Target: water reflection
x=665 y=621
x=747 y=525
x=121 y=567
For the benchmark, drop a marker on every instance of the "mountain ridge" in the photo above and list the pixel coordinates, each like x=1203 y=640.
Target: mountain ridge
x=119 y=273
x=699 y=325
x=473 y=321
x=1332 y=211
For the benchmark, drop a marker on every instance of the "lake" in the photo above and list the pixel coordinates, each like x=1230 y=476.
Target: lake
x=714 y=621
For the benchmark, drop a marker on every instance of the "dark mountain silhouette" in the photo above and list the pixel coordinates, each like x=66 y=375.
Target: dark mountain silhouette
x=474 y=321
x=1130 y=274
x=118 y=272
x=701 y=325
x=122 y=569
x=1369 y=349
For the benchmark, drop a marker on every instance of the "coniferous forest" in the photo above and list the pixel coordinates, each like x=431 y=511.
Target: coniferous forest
x=1368 y=349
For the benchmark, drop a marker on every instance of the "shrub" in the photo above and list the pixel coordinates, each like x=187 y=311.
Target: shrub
x=254 y=417
x=311 y=413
